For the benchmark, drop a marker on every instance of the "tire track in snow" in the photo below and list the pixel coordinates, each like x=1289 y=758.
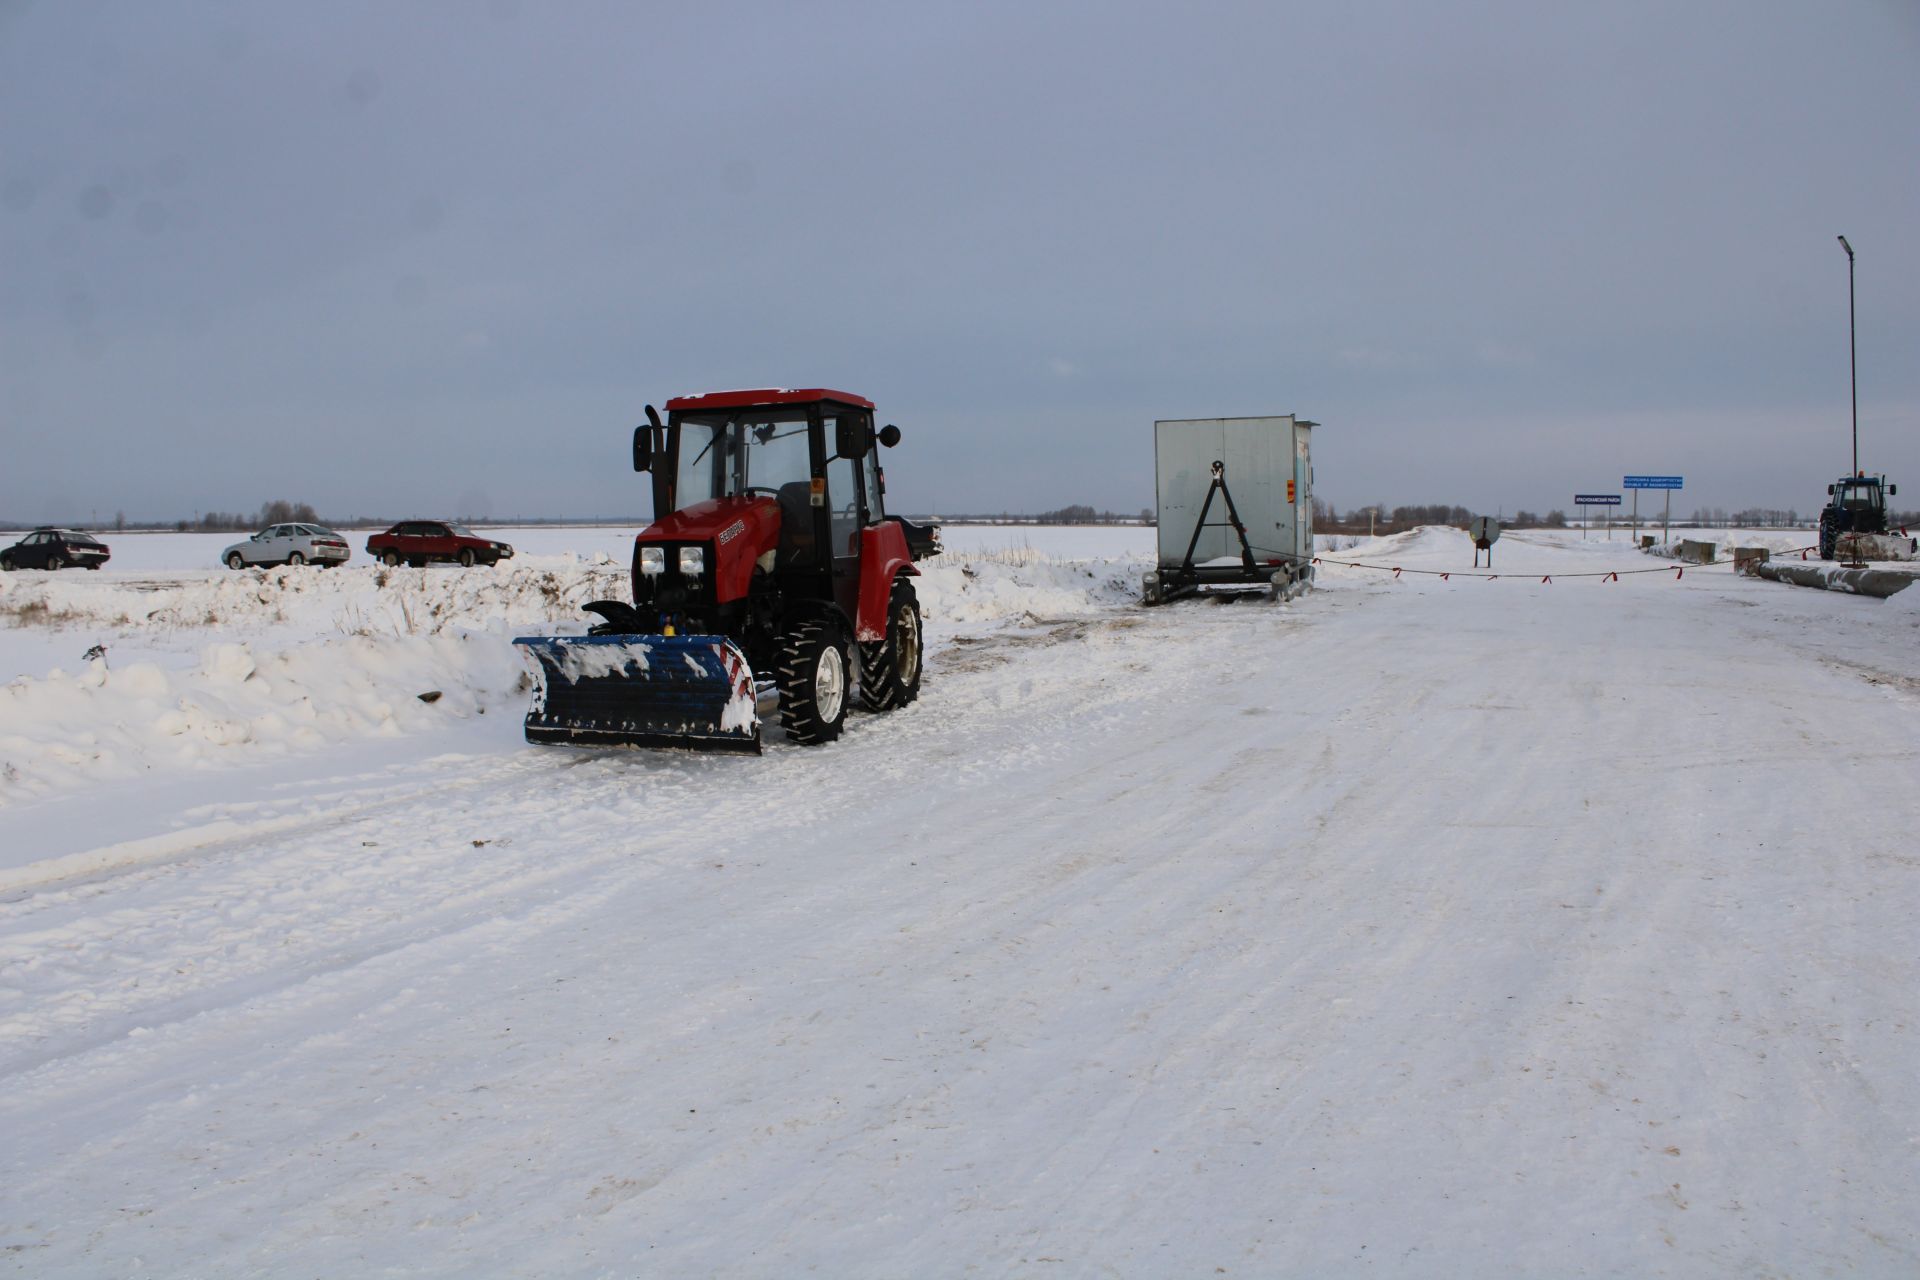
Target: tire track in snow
x=270 y=907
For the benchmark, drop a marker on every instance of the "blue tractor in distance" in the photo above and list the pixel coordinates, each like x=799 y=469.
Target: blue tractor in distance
x=1854 y=521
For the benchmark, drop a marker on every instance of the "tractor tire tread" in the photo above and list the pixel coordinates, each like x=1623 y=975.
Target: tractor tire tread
x=881 y=688
x=794 y=666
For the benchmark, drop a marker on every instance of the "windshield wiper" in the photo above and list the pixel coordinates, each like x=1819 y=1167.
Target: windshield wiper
x=718 y=433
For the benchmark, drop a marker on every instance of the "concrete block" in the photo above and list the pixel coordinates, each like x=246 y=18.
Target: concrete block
x=1694 y=552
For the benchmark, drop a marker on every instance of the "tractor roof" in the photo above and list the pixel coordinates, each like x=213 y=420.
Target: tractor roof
x=764 y=395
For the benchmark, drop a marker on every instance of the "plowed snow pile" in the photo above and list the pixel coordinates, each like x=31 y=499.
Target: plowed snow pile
x=329 y=656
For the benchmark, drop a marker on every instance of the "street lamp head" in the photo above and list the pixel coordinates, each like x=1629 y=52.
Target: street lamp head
x=1846 y=246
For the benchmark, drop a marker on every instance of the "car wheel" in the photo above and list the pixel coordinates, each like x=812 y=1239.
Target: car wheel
x=391 y=559
x=890 y=667
x=235 y=562
x=812 y=675
x=296 y=559
x=466 y=557
x=55 y=563
x=6 y=564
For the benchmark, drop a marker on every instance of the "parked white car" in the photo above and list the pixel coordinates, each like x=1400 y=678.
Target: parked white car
x=289 y=544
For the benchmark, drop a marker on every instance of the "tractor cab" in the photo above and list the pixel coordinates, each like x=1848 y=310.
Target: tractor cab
x=1863 y=495
x=798 y=467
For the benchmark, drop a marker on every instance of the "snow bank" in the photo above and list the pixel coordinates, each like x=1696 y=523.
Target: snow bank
x=363 y=601
x=1018 y=586
x=242 y=704
x=284 y=660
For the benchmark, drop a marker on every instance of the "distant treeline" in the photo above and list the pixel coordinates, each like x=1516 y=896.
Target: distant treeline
x=1377 y=517
x=1076 y=514
x=281 y=511
x=1772 y=518
x=1380 y=518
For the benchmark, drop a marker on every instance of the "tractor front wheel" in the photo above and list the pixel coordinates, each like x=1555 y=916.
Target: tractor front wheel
x=890 y=667
x=812 y=675
x=1829 y=539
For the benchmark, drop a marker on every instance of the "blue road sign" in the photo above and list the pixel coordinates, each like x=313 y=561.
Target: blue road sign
x=1596 y=499
x=1651 y=482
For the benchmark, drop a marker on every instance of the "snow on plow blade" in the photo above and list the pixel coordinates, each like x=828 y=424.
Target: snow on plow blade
x=641 y=691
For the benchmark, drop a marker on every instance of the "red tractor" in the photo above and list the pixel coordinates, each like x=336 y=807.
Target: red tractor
x=771 y=570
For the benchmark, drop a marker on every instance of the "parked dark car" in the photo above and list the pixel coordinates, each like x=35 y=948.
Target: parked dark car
x=55 y=549
x=418 y=542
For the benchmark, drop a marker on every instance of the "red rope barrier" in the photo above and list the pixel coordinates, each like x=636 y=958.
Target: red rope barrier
x=1605 y=575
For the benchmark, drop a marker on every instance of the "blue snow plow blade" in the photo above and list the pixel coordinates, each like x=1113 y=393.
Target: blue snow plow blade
x=695 y=692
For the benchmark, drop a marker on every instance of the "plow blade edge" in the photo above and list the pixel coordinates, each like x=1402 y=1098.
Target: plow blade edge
x=641 y=691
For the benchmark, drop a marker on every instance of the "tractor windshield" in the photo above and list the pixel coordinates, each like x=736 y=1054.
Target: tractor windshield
x=726 y=455
x=1860 y=497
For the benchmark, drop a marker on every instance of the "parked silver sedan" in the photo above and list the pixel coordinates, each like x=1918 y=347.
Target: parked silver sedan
x=289 y=544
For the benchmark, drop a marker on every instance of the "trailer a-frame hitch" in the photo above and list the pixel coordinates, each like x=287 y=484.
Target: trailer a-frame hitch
x=1248 y=577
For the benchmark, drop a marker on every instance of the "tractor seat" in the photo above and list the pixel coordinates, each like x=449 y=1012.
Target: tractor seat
x=795 y=547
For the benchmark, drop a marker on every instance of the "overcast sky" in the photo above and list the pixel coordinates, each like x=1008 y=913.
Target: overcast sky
x=434 y=257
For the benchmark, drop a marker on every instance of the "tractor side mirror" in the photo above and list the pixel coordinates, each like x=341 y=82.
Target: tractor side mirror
x=643 y=438
x=1893 y=491
x=852 y=437
x=889 y=435
x=1829 y=491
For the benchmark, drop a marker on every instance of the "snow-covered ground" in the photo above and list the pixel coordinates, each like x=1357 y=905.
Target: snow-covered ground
x=1419 y=926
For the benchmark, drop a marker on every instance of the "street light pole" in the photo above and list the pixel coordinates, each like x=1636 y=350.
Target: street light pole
x=1853 y=360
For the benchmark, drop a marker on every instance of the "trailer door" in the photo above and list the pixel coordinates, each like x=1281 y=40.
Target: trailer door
x=1259 y=464
x=1184 y=452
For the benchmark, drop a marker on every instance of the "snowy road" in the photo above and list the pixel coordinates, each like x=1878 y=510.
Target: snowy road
x=1413 y=928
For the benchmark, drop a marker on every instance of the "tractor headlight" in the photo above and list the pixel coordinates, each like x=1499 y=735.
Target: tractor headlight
x=653 y=561
x=693 y=561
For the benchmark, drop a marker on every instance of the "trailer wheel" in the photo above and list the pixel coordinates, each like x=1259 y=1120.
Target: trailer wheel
x=812 y=676
x=890 y=668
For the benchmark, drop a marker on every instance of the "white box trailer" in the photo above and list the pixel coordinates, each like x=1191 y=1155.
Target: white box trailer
x=1235 y=506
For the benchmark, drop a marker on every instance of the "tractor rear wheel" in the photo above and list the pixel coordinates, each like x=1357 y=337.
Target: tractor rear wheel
x=811 y=672
x=890 y=667
x=1828 y=538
